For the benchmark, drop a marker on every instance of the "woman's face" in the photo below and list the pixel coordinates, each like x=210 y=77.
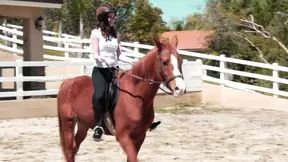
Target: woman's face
x=111 y=19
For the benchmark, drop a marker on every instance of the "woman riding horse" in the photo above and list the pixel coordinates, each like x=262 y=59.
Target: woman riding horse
x=106 y=50
x=133 y=113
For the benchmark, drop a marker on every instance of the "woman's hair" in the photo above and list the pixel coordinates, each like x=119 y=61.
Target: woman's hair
x=103 y=23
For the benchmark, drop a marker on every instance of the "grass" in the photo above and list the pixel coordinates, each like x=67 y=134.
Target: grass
x=54 y=53
x=189 y=109
x=270 y=94
x=209 y=82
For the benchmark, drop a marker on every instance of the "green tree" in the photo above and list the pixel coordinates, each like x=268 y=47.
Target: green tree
x=125 y=9
x=179 y=27
x=194 y=22
x=76 y=11
x=216 y=19
x=265 y=40
x=144 y=23
x=176 y=25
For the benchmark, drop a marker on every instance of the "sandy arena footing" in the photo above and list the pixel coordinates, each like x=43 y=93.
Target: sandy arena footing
x=201 y=135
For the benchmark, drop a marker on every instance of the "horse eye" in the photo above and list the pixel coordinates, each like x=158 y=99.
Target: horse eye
x=165 y=63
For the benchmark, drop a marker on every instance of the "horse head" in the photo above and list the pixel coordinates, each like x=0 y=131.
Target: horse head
x=170 y=65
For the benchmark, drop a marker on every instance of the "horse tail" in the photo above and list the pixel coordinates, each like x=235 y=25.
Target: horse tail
x=66 y=120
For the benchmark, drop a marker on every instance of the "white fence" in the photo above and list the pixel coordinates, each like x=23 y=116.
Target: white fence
x=130 y=53
x=193 y=79
x=71 y=45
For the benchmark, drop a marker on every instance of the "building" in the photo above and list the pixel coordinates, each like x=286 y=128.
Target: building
x=190 y=40
x=31 y=12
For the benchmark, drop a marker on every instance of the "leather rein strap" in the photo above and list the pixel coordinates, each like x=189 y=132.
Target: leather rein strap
x=151 y=81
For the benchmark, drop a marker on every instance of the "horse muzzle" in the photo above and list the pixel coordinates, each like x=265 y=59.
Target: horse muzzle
x=180 y=88
x=179 y=92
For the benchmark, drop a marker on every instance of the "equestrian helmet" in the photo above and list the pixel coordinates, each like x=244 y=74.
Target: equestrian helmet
x=103 y=10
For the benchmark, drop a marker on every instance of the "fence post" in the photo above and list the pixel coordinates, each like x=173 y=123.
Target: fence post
x=275 y=84
x=66 y=47
x=136 y=49
x=203 y=70
x=222 y=69
x=82 y=69
x=19 y=84
x=14 y=40
x=5 y=32
x=59 y=44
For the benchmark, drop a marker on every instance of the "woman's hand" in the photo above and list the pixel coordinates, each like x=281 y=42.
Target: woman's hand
x=99 y=59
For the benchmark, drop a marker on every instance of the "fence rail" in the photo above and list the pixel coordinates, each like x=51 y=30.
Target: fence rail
x=73 y=44
x=193 y=80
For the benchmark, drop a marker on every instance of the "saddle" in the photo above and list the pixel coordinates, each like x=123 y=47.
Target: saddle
x=111 y=94
x=111 y=97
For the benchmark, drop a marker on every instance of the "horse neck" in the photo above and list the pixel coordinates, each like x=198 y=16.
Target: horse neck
x=147 y=68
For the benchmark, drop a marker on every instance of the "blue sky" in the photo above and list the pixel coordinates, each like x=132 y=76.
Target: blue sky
x=178 y=9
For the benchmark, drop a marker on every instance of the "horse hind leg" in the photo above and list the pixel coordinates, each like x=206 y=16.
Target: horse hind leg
x=81 y=134
x=67 y=140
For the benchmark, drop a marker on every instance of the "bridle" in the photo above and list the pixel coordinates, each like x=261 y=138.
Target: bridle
x=160 y=68
x=165 y=79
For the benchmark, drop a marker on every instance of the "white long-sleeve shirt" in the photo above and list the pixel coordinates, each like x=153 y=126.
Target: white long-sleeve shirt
x=106 y=49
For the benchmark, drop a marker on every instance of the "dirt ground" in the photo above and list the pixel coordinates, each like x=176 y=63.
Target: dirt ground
x=193 y=134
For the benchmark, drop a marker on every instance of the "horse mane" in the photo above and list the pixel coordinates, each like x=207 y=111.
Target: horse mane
x=142 y=68
x=146 y=66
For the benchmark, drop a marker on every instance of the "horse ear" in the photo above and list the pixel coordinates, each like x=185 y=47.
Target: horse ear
x=174 y=41
x=157 y=42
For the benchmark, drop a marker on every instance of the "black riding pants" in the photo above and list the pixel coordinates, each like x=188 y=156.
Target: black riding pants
x=101 y=77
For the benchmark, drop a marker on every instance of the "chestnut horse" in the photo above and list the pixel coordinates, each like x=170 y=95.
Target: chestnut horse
x=133 y=111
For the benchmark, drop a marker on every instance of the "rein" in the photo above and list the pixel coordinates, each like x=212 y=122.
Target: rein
x=151 y=81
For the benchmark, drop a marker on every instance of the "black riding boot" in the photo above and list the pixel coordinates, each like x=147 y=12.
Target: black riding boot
x=154 y=125
x=98 y=130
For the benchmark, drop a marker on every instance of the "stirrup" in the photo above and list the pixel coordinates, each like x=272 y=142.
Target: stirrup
x=99 y=137
x=103 y=132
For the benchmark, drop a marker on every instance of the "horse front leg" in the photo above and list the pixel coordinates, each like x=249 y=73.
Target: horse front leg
x=128 y=146
x=138 y=143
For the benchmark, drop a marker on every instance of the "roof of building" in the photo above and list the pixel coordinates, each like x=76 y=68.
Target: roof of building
x=190 y=39
x=33 y=3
